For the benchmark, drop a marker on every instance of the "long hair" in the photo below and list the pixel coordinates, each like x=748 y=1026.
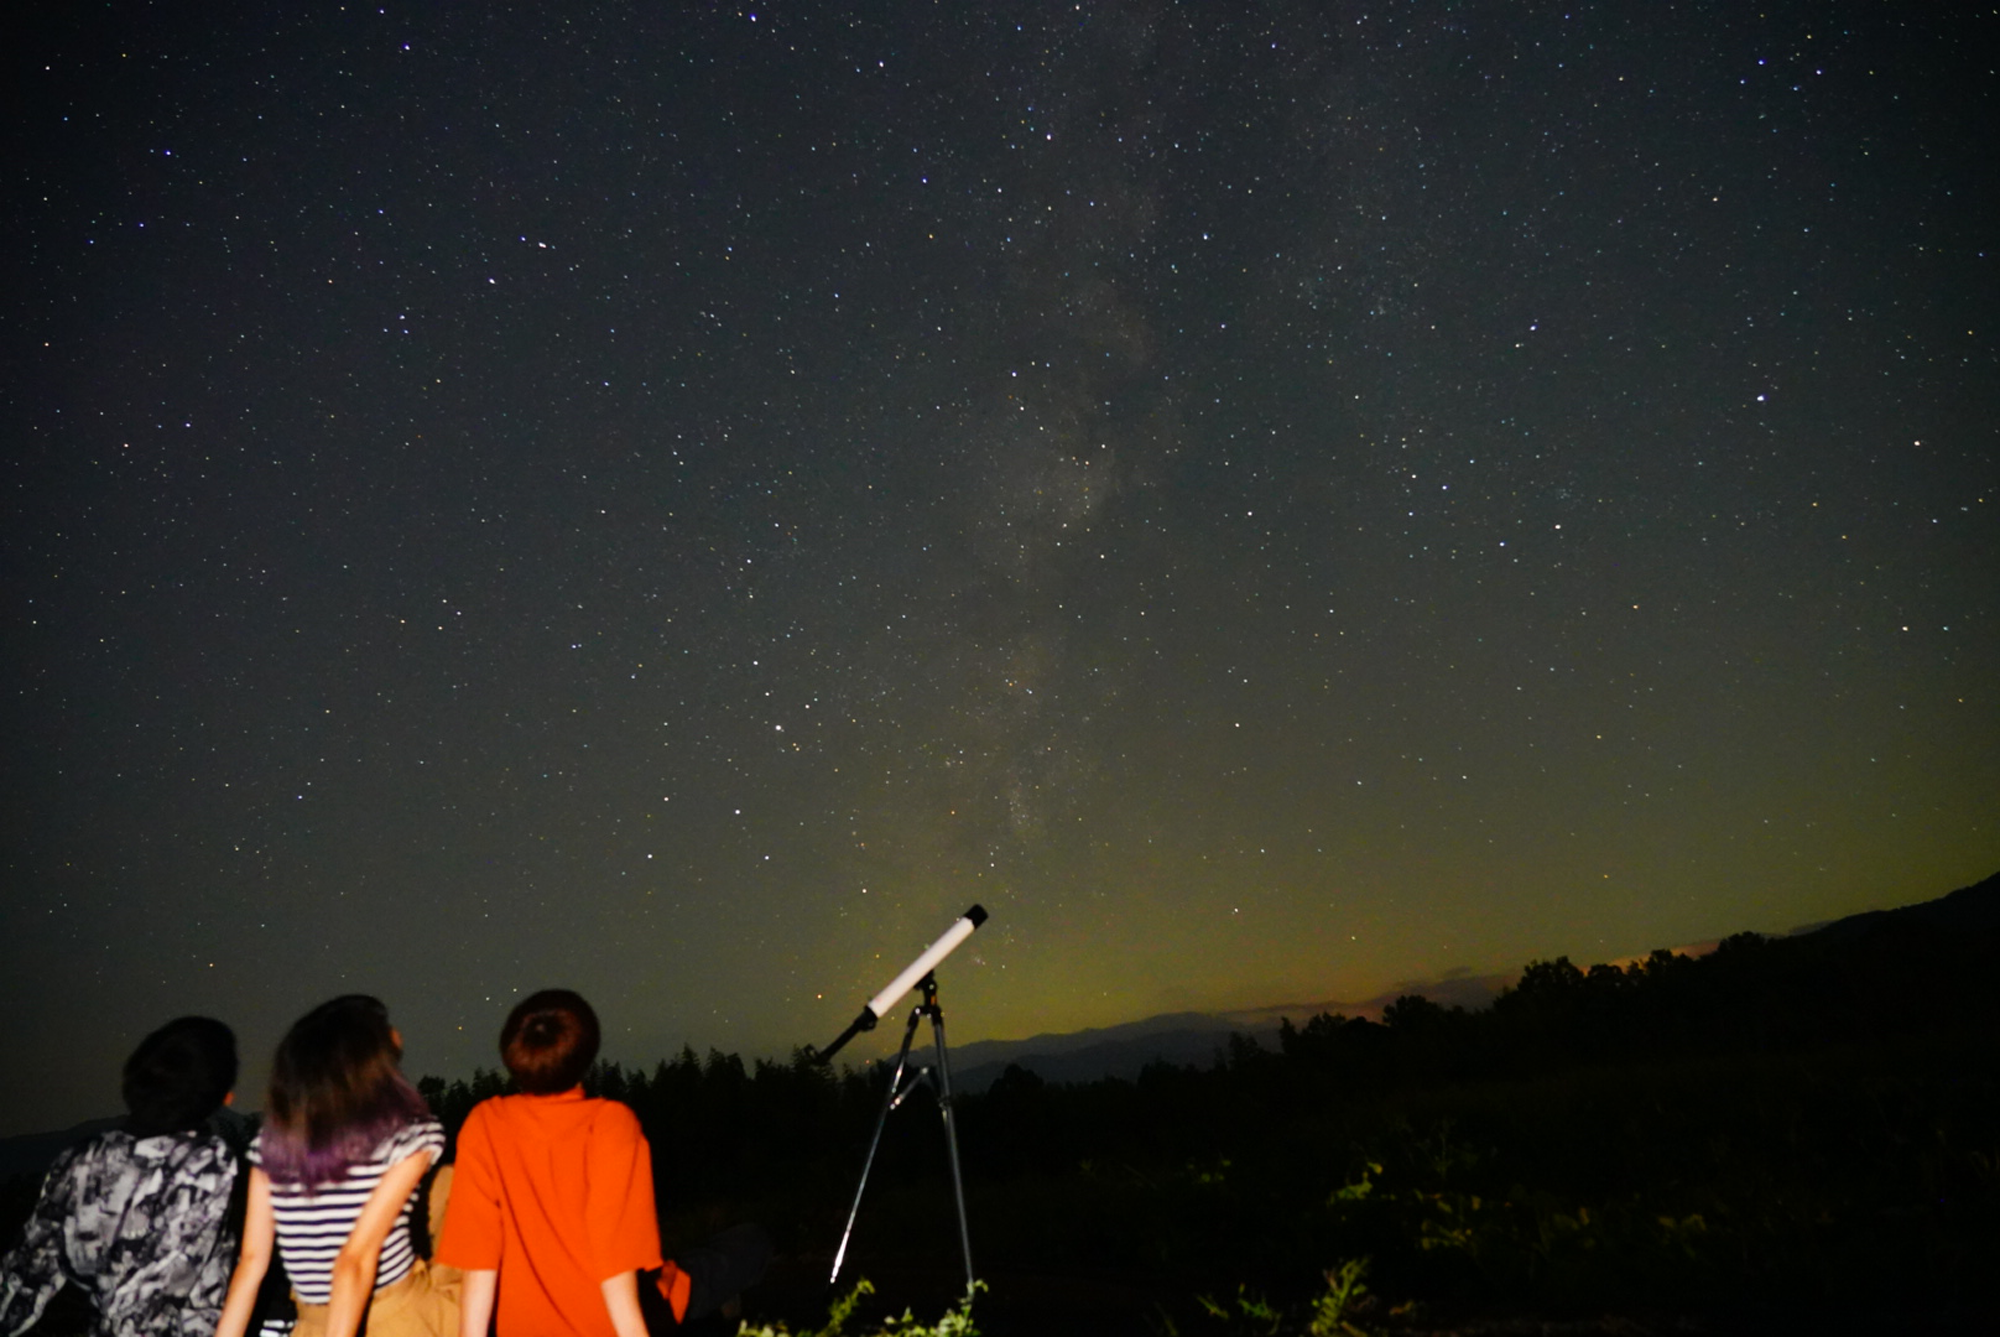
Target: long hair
x=336 y=1092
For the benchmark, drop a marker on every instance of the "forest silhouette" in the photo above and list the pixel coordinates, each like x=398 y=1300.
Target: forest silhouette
x=1782 y=1128
x=1776 y=1135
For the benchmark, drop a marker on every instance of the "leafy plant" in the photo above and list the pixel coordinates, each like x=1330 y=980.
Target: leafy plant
x=1330 y=1312
x=1331 y=1315
x=837 y=1315
x=1251 y=1310
x=955 y=1322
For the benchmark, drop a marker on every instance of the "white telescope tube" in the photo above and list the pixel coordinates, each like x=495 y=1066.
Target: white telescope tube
x=961 y=929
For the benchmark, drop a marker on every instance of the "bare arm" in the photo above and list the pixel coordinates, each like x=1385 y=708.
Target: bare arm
x=259 y=1230
x=475 y=1302
x=621 y=1297
x=354 y=1266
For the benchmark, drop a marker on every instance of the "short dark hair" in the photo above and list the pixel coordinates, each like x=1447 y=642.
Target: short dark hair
x=549 y=1041
x=178 y=1076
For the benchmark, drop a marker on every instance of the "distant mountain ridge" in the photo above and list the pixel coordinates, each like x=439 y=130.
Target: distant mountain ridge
x=1183 y=1038
x=1107 y=1051
x=1968 y=910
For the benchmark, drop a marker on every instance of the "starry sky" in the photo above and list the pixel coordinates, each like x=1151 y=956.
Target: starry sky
x=678 y=500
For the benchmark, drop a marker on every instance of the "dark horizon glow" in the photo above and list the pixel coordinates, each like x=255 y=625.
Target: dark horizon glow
x=1271 y=503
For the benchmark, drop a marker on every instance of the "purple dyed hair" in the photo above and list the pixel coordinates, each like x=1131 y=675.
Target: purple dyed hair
x=336 y=1093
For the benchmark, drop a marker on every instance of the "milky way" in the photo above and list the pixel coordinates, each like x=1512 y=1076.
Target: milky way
x=1272 y=501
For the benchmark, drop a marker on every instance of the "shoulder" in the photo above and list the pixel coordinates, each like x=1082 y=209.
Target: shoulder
x=112 y=1142
x=203 y=1139
x=615 y=1119
x=197 y=1161
x=109 y=1144
x=485 y=1123
x=195 y=1147
x=108 y=1151
x=425 y=1135
x=114 y=1163
x=212 y=1149
x=80 y=1160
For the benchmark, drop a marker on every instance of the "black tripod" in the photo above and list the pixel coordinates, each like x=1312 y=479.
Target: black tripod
x=940 y=1084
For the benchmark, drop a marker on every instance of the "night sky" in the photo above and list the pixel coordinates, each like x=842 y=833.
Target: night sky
x=678 y=501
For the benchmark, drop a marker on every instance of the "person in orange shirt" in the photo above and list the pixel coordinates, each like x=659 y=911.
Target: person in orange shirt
x=552 y=1213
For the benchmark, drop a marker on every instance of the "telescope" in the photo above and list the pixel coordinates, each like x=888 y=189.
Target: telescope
x=920 y=974
x=878 y=1006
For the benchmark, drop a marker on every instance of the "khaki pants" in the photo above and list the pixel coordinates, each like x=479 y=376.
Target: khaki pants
x=422 y=1304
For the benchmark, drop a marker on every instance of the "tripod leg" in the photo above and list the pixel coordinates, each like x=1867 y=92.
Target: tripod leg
x=888 y=1101
x=950 y=1129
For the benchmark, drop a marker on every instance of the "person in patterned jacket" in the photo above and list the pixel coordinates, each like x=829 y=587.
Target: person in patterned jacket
x=138 y=1216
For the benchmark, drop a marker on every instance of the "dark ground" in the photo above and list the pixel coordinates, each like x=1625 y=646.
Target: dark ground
x=1058 y=1304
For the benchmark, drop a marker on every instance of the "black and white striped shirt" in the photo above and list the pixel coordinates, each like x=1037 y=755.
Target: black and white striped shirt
x=313 y=1223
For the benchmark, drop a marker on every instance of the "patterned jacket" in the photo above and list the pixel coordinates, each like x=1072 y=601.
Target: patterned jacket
x=141 y=1223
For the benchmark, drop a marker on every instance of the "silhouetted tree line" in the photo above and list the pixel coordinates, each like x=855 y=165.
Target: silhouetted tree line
x=1811 y=1121
x=1812 y=1117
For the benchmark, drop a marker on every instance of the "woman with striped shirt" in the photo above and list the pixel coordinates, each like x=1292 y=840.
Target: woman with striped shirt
x=334 y=1171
